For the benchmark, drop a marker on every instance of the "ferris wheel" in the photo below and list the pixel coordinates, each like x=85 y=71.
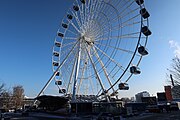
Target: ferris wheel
x=99 y=46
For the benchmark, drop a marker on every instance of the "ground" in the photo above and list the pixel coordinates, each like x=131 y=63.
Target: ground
x=174 y=115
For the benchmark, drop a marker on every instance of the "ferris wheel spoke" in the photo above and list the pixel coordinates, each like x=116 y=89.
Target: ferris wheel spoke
x=68 y=44
x=96 y=7
x=100 y=31
x=116 y=63
x=93 y=9
x=68 y=67
x=91 y=81
x=115 y=73
x=118 y=27
x=71 y=32
x=116 y=4
x=102 y=17
x=110 y=13
x=128 y=78
x=95 y=31
x=113 y=69
x=130 y=19
x=129 y=35
x=79 y=22
x=120 y=14
x=102 y=24
x=117 y=37
x=127 y=25
x=103 y=67
x=80 y=11
x=95 y=70
x=123 y=50
x=88 y=8
x=116 y=9
x=75 y=14
x=85 y=12
x=82 y=14
x=74 y=26
x=63 y=53
x=70 y=38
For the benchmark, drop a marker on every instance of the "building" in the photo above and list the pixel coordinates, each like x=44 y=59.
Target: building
x=149 y=100
x=176 y=92
x=28 y=101
x=168 y=93
x=161 y=97
x=140 y=95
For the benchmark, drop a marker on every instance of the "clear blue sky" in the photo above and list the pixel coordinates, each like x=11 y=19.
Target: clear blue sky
x=28 y=28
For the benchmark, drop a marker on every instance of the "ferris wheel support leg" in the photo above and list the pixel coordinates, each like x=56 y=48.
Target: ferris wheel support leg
x=51 y=78
x=56 y=71
x=98 y=77
x=71 y=77
x=76 y=74
x=103 y=67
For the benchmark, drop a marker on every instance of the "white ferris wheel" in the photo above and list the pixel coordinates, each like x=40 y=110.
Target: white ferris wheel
x=99 y=46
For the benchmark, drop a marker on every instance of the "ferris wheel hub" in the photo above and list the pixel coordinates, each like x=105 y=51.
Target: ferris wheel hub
x=87 y=40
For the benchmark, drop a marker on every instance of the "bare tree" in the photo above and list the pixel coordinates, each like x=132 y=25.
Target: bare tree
x=2 y=88
x=18 y=96
x=1 y=91
x=175 y=71
x=7 y=100
x=5 y=97
x=174 y=77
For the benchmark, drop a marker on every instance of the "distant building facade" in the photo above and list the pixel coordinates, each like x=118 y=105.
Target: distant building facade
x=176 y=92
x=161 y=97
x=168 y=93
x=140 y=95
x=149 y=100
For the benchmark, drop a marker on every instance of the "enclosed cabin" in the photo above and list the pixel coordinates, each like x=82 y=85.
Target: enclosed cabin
x=123 y=86
x=144 y=13
x=58 y=82
x=57 y=74
x=64 y=25
x=57 y=44
x=62 y=90
x=76 y=8
x=139 y=2
x=142 y=50
x=70 y=17
x=60 y=34
x=145 y=30
x=55 y=63
x=56 y=54
x=83 y=1
x=135 y=70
